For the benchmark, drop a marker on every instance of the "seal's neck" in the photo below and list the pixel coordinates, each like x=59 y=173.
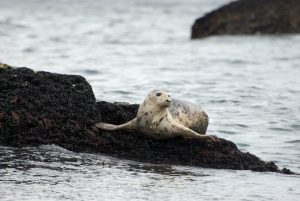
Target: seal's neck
x=161 y=111
x=153 y=109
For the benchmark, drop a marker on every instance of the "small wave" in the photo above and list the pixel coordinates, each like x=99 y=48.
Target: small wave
x=226 y=132
x=224 y=101
x=242 y=125
x=121 y=92
x=243 y=145
x=293 y=91
x=247 y=96
x=256 y=106
x=55 y=39
x=280 y=129
x=218 y=101
x=293 y=141
x=283 y=108
x=29 y=50
x=255 y=87
x=91 y=71
x=282 y=59
x=234 y=61
x=295 y=126
x=161 y=169
x=53 y=147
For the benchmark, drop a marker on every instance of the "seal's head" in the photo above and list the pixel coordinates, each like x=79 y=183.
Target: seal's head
x=160 y=98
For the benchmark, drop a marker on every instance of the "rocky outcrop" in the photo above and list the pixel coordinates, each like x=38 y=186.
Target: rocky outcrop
x=250 y=17
x=47 y=108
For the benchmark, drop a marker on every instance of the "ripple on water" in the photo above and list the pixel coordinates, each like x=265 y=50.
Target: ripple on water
x=242 y=125
x=91 y=71
x=161 y=169
x=29 y=50
x=218 y=101
x=122 y=55
x=226 y=132
x=281 y=129
x=295 y=126
x=293 y=141
x=242 y=145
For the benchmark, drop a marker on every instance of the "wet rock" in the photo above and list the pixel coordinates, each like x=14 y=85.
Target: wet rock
x=250 y=17
x=42 y=108
x=48 y=108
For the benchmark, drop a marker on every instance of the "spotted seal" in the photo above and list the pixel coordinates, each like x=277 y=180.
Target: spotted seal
x=162 y=117
x=4 y=66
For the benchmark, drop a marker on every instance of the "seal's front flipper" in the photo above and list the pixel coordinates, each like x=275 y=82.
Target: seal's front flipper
x=186 y=132
x=131 y=125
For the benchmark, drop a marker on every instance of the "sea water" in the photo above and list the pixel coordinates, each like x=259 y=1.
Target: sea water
x=248 y=85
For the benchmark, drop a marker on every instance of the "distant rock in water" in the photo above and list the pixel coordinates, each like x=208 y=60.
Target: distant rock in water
x=47 y=108
x=250 y=17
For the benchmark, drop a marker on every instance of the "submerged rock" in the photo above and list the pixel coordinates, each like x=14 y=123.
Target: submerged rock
x=250 y=17
x=48 y=108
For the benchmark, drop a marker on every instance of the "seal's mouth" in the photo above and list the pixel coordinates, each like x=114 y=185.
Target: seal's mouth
x=166 y=103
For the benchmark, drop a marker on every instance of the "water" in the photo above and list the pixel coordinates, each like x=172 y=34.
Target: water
x=249 y=86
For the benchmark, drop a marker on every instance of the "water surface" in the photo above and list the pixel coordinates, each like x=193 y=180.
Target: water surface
x=249 y=86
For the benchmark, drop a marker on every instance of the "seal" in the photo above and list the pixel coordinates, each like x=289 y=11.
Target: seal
x=4 y=66
x=162 y=117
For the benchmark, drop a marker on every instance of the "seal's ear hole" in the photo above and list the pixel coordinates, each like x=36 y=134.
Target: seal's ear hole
x=158 y=94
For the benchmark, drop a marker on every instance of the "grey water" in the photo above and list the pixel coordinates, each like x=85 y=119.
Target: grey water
x=248 y=85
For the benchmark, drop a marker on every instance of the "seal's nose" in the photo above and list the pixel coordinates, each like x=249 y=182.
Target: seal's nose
x=169 y=100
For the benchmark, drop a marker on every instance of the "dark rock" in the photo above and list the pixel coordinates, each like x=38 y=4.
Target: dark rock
x=250 y=17
x=42 y=108
x=47 y=108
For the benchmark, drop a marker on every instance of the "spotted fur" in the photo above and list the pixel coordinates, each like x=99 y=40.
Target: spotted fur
x=162 y=117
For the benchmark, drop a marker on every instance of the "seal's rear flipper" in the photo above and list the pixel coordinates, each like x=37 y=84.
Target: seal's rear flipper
x=131 y=125
x=186 y=132
x=106 y=126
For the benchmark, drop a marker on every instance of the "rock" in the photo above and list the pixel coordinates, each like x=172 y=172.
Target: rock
x=43 y=108
x=250 y=17
x=47 y=108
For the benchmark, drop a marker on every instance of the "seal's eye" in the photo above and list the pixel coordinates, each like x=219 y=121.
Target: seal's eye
x=158 y=94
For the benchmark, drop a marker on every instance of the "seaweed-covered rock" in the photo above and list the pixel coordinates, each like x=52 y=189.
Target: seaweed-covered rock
x=42 y=108
x=48 y=108
x=250 y=17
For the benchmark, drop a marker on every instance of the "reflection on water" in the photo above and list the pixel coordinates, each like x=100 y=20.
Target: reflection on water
x=249 y=86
